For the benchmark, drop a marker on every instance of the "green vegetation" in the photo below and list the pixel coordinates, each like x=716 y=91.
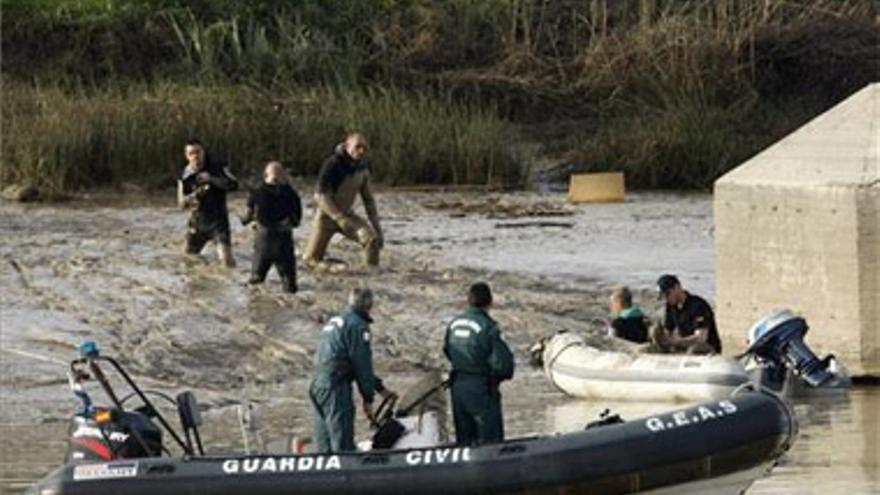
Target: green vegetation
x=675 y=92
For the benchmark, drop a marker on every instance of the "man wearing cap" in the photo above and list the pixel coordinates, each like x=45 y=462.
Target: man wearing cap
x=689 y=324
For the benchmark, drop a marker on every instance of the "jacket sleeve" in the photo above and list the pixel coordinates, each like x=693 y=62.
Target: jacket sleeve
x=668 y=322
x=501 y=362
x=361 y=357
x=224 y=180
x=296 y=209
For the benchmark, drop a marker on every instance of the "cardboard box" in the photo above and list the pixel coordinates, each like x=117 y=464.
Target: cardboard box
x=596 y=188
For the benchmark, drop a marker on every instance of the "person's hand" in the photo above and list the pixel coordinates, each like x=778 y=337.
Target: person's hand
x=203 y=177
x=388 y=394
x=345 y=224
x=368 y=411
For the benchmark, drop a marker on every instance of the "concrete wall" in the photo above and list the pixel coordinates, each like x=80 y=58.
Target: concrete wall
x=798 y=226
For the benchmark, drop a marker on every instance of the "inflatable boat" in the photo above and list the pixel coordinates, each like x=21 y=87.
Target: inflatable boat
x=720 y=447
x=777 y=359
x=580 y=370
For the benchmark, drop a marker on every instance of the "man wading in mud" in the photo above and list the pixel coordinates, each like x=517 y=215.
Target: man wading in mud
x=342 y=177
x=202 y=189
x=343 y=356
x=480 y=361
x=277 y=209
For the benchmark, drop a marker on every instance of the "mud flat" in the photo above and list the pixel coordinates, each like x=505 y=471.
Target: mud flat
x=110 y=270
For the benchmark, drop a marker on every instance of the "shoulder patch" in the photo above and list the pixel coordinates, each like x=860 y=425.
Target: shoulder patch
x=463 y=326
x=335 y=323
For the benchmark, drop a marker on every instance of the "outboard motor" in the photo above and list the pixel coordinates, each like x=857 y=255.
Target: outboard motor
x=108 y=434
x=778 y=341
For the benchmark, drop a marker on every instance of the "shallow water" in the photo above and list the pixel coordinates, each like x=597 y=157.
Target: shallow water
x=110 y=271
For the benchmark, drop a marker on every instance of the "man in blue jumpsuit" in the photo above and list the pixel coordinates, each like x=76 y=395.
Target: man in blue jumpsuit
x=344 y=356
x=480 y=361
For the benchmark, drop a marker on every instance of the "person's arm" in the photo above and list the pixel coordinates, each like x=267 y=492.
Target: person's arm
x=501 y=362
x=615 y=328
x=187 y=199
x=224 y=180
x=296 y=209
x=372 y=211
x=702 y=320
x=251 y=213
x=361 y=356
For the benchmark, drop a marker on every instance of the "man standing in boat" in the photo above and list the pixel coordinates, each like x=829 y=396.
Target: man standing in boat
x=629 y=321
x=343 y=177
x=689 y=323
x=202 y=189
x=344 y=356
x=480 y=360
x=277 y=209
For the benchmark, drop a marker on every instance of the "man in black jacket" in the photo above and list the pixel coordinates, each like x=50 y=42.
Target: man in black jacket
x=202 y=189
x=277 y=209
x=689 y=323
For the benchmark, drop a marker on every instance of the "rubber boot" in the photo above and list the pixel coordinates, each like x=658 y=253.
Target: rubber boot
x=224 y=252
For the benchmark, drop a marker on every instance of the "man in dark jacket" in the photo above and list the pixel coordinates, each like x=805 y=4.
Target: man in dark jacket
x=344 y=356
x=629 y=321
x=277 y=209
x=202 y=189
x=689 y=323
x=480 y=361
x=343 y=177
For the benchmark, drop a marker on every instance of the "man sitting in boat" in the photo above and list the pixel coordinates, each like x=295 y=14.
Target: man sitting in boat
x=688 y=325
x=480 y=360
x=344 y=356
x=629 y=321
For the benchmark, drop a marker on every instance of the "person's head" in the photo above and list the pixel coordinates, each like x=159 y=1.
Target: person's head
x=274 y=173
x=480 y=295
x=621 y=298
x=194 y=152
x=361 y=299
x=356 y=145
x=670 y=289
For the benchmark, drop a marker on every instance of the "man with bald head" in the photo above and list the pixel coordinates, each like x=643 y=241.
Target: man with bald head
x=277 y=209
x=343 y=177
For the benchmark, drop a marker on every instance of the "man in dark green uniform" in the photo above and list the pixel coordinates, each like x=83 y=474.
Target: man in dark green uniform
x=480 y=361
x=344 y=356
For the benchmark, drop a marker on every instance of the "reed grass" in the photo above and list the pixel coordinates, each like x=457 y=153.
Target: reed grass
x=62 y=140
x=674 y=91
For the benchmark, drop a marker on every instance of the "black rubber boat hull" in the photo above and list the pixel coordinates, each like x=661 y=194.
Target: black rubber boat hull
x=709 y=441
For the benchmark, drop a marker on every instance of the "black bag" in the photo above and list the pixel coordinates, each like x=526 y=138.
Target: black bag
x=388 y=433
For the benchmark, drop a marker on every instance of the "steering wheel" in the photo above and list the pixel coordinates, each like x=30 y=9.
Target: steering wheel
x=384 y=411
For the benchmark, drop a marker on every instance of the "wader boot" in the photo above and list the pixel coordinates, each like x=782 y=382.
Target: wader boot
x=476 y=409
x=224 y=252
x=357 y=229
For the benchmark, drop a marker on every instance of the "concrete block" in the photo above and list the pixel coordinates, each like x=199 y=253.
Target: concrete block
x=798 y=226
